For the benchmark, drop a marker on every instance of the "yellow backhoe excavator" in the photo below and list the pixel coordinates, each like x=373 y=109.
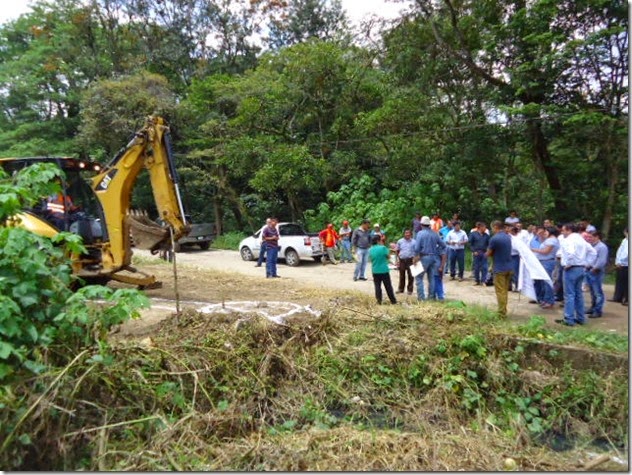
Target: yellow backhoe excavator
x=100 y=209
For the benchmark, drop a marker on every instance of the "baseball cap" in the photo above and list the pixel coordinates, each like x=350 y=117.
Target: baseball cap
x=425 y=220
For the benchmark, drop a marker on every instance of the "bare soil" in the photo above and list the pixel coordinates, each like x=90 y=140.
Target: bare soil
x=220 y=275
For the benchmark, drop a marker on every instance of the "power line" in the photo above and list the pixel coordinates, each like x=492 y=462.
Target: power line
x=434 y=132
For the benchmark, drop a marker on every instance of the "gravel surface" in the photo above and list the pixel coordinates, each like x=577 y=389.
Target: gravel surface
x=311 y=273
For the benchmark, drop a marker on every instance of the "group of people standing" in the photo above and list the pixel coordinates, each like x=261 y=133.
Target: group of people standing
x=567 y=256
x=571 y=255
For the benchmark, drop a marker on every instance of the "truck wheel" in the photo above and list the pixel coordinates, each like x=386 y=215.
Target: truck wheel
x=318 y=258
x=246 y=254
x=291 y=258
x=205 y=245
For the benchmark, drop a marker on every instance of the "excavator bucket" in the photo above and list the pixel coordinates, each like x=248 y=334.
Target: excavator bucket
x=147 y=234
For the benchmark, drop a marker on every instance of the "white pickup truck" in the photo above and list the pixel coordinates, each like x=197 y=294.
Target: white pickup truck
x=294 y=244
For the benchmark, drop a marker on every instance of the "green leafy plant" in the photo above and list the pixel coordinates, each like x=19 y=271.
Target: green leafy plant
x=37 y=305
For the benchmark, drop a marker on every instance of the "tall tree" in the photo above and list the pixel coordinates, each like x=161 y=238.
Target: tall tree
x=291 y=118
x=533 y=63
x=302 y=20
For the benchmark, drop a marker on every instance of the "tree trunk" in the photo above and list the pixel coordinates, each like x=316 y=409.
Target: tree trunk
x=542 y=160
x=612 y=176
x=295 y=209
x=218 y=210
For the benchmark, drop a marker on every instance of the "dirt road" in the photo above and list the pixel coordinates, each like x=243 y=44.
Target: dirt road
x=313 y=274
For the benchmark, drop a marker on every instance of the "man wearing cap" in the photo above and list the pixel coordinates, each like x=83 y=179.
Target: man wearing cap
x=345 y=238
x=361 y=242
x=428 y=248
x=378 y=232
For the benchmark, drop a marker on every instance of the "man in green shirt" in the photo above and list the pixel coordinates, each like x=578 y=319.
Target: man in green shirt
x=378 y=255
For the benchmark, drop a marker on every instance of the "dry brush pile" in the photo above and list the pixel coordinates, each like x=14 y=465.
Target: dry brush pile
x=363 y=387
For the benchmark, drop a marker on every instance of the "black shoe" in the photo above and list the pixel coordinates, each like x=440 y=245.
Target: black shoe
x=257 y=265
x=595 y=315
x=613 y=300
x=590 y=311
x=355 y=278
x=533 y=301
x=362 y=278
x=564 y=322
x=399 y=292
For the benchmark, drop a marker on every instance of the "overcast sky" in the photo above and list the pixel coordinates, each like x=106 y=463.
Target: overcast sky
x=356 y=9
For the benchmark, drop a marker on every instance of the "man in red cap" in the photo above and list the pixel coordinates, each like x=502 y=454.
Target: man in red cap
x=329 y=237
x=345 y=238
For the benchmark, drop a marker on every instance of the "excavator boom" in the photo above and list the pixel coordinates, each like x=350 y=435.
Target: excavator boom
x=151 y=149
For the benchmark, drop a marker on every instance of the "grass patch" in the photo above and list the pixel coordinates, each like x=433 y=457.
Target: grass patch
x=536 y=327
x=229 y=241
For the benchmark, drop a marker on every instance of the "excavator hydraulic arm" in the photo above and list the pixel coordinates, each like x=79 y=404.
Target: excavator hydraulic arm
x=151 y=149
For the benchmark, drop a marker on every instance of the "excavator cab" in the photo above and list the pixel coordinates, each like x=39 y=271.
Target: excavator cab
x=84 y=216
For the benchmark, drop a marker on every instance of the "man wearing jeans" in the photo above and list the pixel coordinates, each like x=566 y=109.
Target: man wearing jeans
x=577 y=254
x=360 y=242
x=456 y=239
x=500 y=251
x=271 y=238
x=594 y=276
x=428 y=245
x=479 y=242
x=405 y=254
x=345 y=236
x=262 y=247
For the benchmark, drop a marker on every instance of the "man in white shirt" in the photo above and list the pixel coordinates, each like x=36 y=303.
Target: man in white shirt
x=622 y=279
x=456 y=240
x=577 y=255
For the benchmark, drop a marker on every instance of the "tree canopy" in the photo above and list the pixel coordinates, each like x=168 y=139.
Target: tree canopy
x=475 y=106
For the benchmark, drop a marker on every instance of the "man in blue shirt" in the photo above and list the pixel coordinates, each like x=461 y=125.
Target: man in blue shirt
x=479 y=241
x=500 y=251
x=428 y=247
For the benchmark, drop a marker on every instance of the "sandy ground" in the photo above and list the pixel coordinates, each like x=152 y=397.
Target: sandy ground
x=313 y=274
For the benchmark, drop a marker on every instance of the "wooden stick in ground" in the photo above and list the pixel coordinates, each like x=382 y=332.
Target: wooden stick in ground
x=175 y=274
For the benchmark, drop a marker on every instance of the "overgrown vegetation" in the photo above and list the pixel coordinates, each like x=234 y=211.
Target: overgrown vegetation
x=43 y=323
x=233 y=392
